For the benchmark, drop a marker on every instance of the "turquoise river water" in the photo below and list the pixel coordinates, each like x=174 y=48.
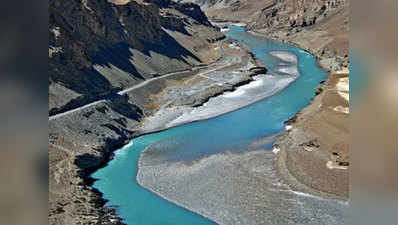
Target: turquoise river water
x=138 y=206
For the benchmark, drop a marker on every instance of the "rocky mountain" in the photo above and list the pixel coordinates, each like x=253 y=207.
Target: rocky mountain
x=99 y=47
x=320 y=26
x=291 y=14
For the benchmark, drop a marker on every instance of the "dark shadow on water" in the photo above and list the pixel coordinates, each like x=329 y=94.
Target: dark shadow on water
x=172 y=151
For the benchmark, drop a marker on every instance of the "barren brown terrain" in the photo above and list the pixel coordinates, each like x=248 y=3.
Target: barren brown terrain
x=314 y=153
x=315 y=150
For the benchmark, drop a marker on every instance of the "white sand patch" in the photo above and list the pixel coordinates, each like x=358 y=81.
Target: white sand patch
x=239 y=24
x=288 y=127
x=343 y=84
x=262 y=87
x=276 y=150
x=285 y=56
x=345 y=70
x=345 y=95
x=343 y=87
x=256 y=83
x=242 y=90
x=342 y=109
x=306 y=195
x=119 y=2
x=234 y=94
x=309 y=149
x=333 y=165
x=224 y=29
x=292 y=70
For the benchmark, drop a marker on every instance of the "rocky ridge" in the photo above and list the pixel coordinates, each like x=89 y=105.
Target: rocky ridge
x=98 y=47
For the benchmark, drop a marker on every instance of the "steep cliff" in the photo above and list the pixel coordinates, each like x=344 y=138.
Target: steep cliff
x=98 y=47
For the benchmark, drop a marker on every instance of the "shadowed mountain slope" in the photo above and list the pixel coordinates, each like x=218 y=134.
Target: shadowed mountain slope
x=98 y=47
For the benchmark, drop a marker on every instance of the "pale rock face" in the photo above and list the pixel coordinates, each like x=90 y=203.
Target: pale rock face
x=276 y=150
x=343 y=88
x=295 y=13
x=119 y=2
x=56 y=32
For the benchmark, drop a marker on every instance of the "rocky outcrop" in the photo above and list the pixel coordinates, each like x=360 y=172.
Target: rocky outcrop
x=291 y=14
x=188 y=9
x=80 y=143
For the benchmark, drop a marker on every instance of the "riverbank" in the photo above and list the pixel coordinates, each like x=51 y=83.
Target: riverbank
x=327 y=175
x=326 y=58
x=235 y=188
x=245 y=187
x=313 y=155
x=242 y=94
x=292 y=210
x=80 y=141
x=104 y=180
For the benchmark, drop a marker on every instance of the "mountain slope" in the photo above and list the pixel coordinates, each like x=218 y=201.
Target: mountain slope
x=98 y=47
x=319 y=26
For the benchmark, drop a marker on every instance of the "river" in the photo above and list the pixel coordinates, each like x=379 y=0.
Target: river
x=138 y=206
